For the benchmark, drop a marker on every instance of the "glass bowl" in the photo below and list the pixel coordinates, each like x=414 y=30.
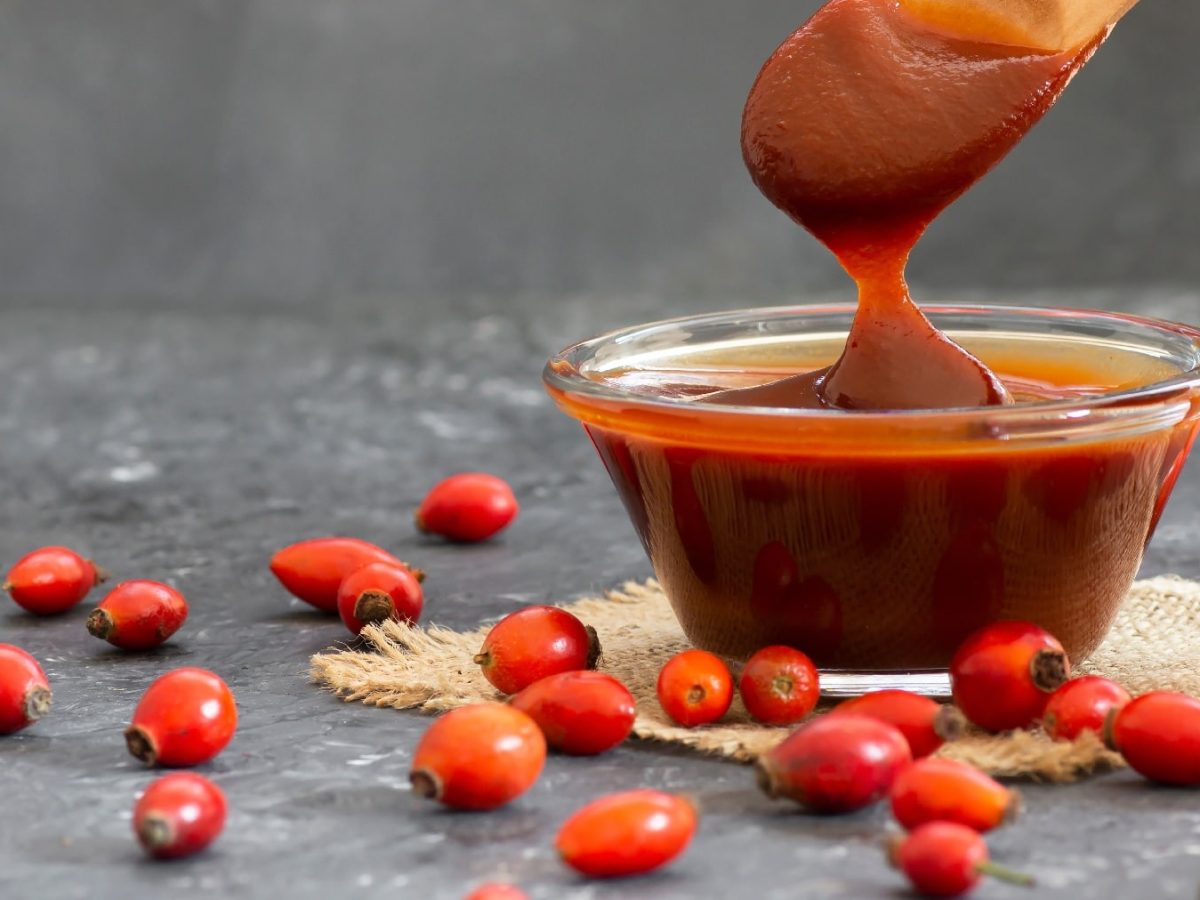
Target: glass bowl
x=876 y=541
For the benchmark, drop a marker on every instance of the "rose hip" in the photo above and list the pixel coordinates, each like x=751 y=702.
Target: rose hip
x=178 y=815
x=925 y=723
x=945 y=859
x=779 y=685
x=534 y=643
x=945 y=790
x=24 y=690
x=1159 y=735
x=835 y=764
x=626 y=834
x=478 y=757
x=186 y=717
x=377 y=592
x=138 y=615
x=52 y=580
x=1080 y=705
x=313 y=570
x=1003 y=674
x=468 y=507
x=581 y=713
x=695 y=688
x=497 y=891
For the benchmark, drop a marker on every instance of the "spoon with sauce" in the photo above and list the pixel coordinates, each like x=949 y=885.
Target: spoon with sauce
x=863 y=126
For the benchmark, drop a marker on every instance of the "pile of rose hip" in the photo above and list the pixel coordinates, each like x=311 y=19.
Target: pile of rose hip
x=186 y=717
x=1007 y=676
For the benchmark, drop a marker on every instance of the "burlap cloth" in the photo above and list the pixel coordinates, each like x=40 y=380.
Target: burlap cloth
x=1153 y=645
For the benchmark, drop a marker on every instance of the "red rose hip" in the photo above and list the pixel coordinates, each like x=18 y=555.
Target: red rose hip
x=945 y=790
x=581 y=713
x=478 y=757
x=534 y=643
x=835 y=764
x=925 y=723
x=186 y=717
x=1080 y=705
x=1002 y=675
x=24 y=690
x=313 y=570
x=630 y=833
x=695 y=688
x=178 y=815
x=1159 y=736
x=779 y=685
x=52 y=580
x=138 y=615
x=468 y=507
x=377 y=592
x=497 y=891
x=945 y=859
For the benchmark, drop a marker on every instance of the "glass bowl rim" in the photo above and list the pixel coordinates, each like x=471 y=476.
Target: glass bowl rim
x=573 y=382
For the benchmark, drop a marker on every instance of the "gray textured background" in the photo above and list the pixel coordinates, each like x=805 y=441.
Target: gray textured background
x=269 y=269
x=300 y=151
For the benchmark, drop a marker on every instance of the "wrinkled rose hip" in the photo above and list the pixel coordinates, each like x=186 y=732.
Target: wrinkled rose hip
x=630 y=833
x=186 y=717
x=178 y=815
x=313 y=570
x=1002 y=675
x=534 y=643
x=468 y=507
x=51 y=580
x=24 y=691
x=138 y=615
x=478 y=757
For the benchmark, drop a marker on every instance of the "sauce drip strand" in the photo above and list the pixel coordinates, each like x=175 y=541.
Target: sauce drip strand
x=863 y=126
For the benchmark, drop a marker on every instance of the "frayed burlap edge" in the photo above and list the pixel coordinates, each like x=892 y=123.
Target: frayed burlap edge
x=1152 y=645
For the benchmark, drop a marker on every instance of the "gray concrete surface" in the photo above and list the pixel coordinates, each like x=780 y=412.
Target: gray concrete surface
x=188 y=445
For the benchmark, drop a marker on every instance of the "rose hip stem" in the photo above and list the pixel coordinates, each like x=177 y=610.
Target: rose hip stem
x=24 y=691
x=138 y=615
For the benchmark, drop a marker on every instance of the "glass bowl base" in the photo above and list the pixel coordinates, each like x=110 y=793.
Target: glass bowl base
x=847 y=683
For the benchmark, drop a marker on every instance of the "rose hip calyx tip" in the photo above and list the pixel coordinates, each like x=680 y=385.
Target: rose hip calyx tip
x=141 y=745
x=1049 y=669
x=100 y=624
x=373 y=606
x=425 y=784
x=37 y=703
